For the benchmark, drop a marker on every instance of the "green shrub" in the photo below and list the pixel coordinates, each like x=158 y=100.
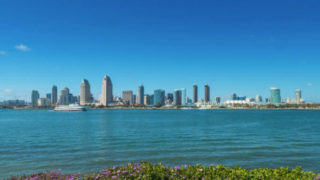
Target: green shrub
x=146 y=170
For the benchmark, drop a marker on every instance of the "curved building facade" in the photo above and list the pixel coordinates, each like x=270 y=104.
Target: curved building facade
x=85 y=94
x=107 y=94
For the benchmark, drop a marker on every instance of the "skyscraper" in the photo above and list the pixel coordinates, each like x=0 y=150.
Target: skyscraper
x=34 y=97
x=85 y=94
x=177 y=96
x=298 y=96
x=183 y=97
x=64 y=97
x=159 y=97
x=258 y=99
x=107 y=94
x=275 y=97
x=195 y=94
x=217 y=100
x=169 y=98
x=146 y=99
x=140 y=95
x=234 y=97
x=54 y=95
x=48 y=96
x=127 y=97
x=206 y=93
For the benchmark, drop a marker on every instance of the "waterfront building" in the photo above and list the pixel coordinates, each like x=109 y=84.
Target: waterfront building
x=234 y=97
x=85 y=94
x=34 y=97
x=127 y=97
x=177 y=97
x=152 y=99
x=207 y=93
x=183 y=97
x=54 y=95
x=159 y=97
x=13 y=102
x=64 y=97
x=258 y=99
x=48 y=95
x=298 y=96
x=140 y=99
x=44 y=102
x=107 y=94
x=217 y=100
x=146 y=100
x=275 y=97
x=134 y=99
x=169 y=98
x=195 y=94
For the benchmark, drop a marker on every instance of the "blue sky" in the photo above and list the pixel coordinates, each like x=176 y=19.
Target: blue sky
x=244 y=47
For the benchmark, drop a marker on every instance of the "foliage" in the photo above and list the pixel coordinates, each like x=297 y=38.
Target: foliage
x=146 y=170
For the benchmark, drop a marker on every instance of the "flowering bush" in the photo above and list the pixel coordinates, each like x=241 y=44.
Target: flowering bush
x=148 y=171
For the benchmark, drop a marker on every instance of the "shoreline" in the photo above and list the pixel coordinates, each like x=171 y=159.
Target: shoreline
x=164 y=108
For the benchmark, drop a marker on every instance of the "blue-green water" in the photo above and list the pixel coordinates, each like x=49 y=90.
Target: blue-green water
x=83 y=141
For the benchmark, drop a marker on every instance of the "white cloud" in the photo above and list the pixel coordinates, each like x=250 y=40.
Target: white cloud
x=3 y=53
x=22 y=47
x=309 y=84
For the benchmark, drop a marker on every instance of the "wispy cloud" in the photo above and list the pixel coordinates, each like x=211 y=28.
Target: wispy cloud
x=22 y=47
x=3 y=53
x=7 y=91
x=309 y=84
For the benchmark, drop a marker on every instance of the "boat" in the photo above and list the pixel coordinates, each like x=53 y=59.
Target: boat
x=70 y=107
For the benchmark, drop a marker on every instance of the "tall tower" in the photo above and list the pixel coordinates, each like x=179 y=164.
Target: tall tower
x=34 y=97
x=206 y=93
x=85 y=94
x=140 y=95
x=183 y=97
x=107 y=95
x=54 y=95
x=275 y=97
x=64 y=96
x=195 y=94
x=298 y=96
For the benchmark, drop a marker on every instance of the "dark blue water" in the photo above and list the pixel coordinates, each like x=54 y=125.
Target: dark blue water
x=83 y=141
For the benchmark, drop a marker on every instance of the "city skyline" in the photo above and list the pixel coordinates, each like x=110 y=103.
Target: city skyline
x=107 y=84
x=243 y=47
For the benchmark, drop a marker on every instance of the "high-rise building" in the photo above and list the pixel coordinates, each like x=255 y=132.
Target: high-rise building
x=146 y=99
x=234 y=97
x=217 y=100
x=85 y=94
x=127 y=97
x=206 y=93
x=275 y=97
x=298 y=96
x=195 y=93
x=48 y=96
x=177 y=97
x=134 y=99
x=34 y=97
x=64 y=97
x=183 y=97
x=54 y=95
x=258 y=99
x=159 y=97
x=44 y=102
x=107 y=94
x=140 y=99
x=152 y=99
x=169 y=98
